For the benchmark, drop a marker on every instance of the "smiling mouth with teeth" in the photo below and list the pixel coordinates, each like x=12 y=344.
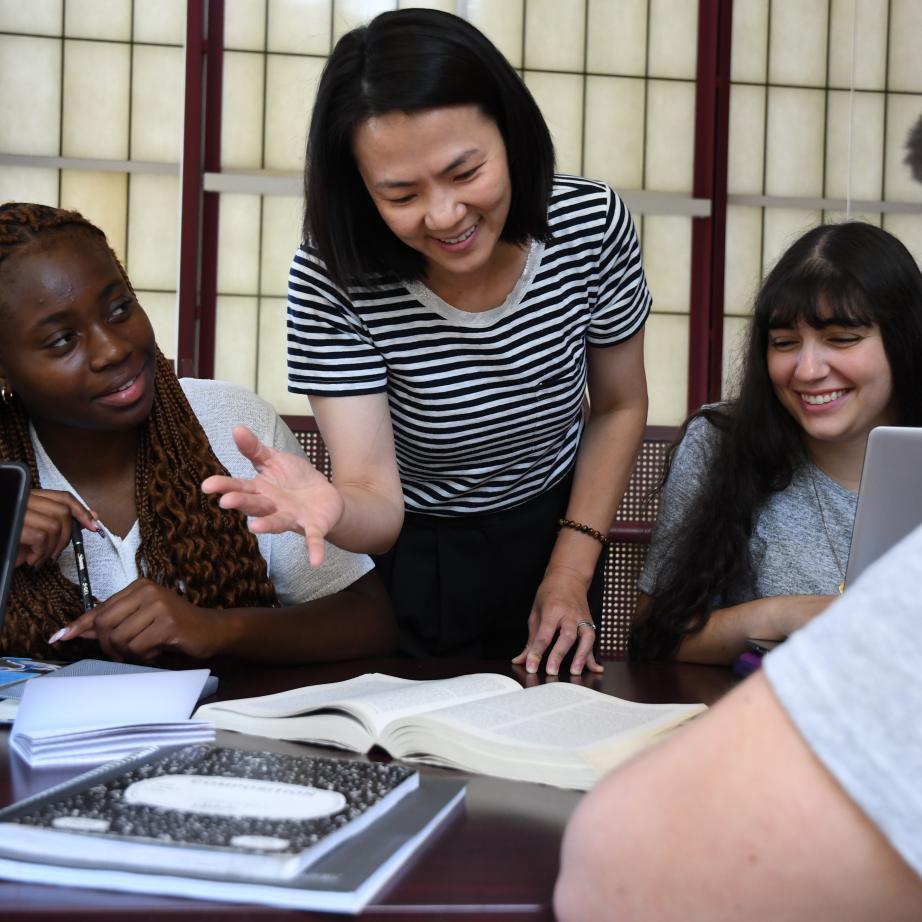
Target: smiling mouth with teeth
x=118 y=390
x=815 y=400
x=461 y=237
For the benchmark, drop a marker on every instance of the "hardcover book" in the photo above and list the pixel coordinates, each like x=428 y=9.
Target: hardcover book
x=206 y=811
x=326 y=864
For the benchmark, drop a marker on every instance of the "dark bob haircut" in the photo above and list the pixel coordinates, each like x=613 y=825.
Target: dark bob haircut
x=408 y=60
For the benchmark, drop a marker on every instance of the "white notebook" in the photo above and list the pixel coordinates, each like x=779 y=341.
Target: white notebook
x=87 y=720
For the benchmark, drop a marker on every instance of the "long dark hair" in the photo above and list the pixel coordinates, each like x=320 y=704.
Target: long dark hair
x=406 y=61
x=188 y=542
x=850 y=274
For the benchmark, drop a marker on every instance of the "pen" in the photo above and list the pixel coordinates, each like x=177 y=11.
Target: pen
x=83 y=574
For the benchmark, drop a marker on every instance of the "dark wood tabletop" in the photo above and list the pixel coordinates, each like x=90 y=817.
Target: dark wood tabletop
x=496 y=858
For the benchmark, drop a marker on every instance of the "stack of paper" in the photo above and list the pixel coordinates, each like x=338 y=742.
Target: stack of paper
x=85 y=667
x=86 y=720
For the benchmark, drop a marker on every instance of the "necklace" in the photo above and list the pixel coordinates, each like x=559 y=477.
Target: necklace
x=832 y=550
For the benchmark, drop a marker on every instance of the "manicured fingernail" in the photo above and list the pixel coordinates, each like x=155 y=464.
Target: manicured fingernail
x=57 y=635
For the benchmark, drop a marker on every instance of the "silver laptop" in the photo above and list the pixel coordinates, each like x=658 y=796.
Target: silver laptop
x=889 y=498
x=14 y=493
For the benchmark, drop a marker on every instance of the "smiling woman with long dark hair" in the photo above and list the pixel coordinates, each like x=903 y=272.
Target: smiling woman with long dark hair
x=114 y=440
x=759 y=500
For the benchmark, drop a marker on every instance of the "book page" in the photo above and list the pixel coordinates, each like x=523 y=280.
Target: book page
x=374 y=698
x=310 y=697
x=420 y=697
x=561 y=716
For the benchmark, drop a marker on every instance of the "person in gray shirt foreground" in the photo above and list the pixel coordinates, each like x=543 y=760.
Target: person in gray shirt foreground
x=797 y=797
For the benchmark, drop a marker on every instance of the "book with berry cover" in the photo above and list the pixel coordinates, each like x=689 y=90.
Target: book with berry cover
x=344 y=879
x=558 y=733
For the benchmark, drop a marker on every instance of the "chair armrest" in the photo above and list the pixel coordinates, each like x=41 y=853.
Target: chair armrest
x=631 y=532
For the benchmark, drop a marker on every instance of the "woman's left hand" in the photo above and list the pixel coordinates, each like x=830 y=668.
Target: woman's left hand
x=144 y=620
x=560 y=608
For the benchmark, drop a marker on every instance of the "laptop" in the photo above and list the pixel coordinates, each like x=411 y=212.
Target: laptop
x=14 y=493
x=889 y=496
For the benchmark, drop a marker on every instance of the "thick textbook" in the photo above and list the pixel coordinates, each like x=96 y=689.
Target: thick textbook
x=557 y=733
x=208 y=811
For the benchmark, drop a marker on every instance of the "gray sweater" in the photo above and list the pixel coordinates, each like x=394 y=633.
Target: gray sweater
x=792 y=552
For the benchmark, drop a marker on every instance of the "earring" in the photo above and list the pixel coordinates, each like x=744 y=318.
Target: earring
x=6 y=393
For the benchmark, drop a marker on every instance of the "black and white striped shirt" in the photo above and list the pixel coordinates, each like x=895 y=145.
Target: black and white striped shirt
x=486 y=407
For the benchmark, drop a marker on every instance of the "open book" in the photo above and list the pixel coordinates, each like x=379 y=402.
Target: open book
x=557 y=733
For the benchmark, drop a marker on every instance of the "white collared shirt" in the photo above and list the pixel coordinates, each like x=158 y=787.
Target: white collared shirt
x=111 y=560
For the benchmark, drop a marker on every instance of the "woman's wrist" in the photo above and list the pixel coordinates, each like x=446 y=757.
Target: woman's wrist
x=227 y=632
x=563 y=573
x=575 y=554
x=585 y=529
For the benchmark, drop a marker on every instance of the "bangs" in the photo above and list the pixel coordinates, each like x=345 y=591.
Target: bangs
x=819 y=301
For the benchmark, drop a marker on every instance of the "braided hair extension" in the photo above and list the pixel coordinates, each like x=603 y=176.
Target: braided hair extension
x=188 y=542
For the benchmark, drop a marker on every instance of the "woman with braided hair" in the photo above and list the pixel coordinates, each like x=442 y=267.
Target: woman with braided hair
x=115 y=441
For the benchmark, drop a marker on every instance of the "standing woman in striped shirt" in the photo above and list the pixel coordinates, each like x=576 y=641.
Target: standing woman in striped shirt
x=451 y=304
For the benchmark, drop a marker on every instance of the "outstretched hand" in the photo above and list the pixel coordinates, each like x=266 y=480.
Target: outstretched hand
x=560 y=609
x=287 y=494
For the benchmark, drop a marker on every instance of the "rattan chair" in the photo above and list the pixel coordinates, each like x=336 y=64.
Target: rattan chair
x=630 y=532
x=630 y=535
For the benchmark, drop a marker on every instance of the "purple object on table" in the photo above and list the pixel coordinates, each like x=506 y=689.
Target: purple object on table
x=747 y=662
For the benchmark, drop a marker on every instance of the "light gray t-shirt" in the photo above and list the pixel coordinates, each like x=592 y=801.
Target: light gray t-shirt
x=799 y=545
x=850 y=681
x=219 y=407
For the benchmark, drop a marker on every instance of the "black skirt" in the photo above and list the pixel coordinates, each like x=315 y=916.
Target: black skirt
x=464 y=586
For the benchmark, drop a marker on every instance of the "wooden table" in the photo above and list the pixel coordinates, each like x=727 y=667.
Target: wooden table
x=497 y=859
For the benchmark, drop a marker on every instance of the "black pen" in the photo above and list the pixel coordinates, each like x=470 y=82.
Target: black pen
x=83 y=574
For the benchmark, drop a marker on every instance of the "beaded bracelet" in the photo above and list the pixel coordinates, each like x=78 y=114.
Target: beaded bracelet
x=586 y=530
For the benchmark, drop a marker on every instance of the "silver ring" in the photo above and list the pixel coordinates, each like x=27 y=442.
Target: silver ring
x=588 y=624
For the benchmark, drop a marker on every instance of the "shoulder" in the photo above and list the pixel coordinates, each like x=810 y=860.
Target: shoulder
x=220 y=405
x=209 y=396
x=308 y=274
x=692 y=461
x=701 y=439
x=591 y=207
x=578 y=194
x=310 y=286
